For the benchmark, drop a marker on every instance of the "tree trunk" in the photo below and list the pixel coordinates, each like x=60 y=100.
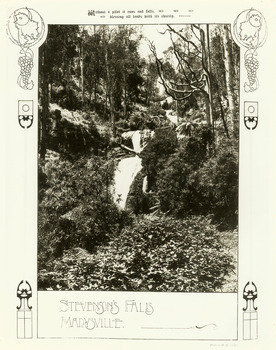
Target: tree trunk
x=208 y=107
x=95 y=91
x=229 y=82
x=206 y=64
x=125 y=99
x=110 y=84
x=44 y=101
x=82 y=81
x=107 y=85
x=112 y=114
x=210 y=81
x=177 y=109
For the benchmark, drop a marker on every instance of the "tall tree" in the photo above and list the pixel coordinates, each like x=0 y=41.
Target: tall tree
x=230 y=78
x=190 y=49
x=129 y=63
x=150 y=76
x=225 y=66
x=121 y=67
x=93 y=63
x=198 y=74
x=56 y=64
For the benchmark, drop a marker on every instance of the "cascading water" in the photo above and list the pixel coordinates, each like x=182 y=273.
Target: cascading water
x=136 y=141
x=171 y=116
x=129 y=167
x=126 y=171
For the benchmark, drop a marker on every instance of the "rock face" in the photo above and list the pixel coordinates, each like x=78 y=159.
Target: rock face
x=72 y=132
x=139 y=200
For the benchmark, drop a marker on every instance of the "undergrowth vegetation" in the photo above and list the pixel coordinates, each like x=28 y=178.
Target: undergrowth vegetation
x=155 y=253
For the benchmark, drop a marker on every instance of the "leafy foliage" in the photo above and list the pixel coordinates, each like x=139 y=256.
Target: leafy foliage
x=173 y=185
x=194 y=178
x=77 y=209
x=157 y=151
x=73 y=133
x=154 y=254
x=215 y=187
x=137 y=201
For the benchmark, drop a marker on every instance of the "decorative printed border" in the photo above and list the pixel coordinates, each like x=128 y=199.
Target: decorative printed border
x=250 y=314
x=251 y=114
x=25 y=113
x=250 y=31
x=24 y=311
x=25 y=28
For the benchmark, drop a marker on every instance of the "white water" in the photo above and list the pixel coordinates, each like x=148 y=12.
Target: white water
x=173 y=118
x=125 y=173
x=136 y=141
x=129 y=167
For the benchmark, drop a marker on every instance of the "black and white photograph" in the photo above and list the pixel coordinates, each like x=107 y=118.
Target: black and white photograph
x=138 y=158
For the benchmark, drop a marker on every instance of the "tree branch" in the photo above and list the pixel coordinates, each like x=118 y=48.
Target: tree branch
x=183 y=38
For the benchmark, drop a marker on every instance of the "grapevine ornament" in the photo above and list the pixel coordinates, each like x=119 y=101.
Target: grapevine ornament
x=26 y=64
x=251 y=65
x=250 y=31
x=25 y=28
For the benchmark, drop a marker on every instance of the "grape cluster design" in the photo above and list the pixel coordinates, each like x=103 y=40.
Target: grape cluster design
x=251 y=65
x=26 y=65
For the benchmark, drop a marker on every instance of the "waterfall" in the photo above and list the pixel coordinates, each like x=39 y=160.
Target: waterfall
x=136 y=141
x=129 y=167
x=126 y=171
x=173 y=118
